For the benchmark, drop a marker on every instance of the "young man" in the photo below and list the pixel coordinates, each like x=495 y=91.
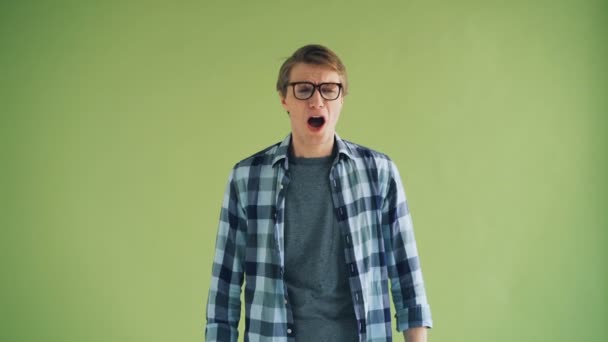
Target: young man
x=317 y=227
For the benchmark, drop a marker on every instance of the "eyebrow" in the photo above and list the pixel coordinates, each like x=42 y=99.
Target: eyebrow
x=335 y=82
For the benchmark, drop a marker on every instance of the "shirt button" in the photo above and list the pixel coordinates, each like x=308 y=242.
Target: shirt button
x=289 y=331
x=285 y=301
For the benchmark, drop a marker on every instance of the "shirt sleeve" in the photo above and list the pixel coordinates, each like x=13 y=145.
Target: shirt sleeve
x=407 y=285
x=224 y=299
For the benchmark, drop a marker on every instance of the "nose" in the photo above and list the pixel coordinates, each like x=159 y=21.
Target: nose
x=316 y=100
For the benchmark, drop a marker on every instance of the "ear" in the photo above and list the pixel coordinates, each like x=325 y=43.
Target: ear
x=283 y=103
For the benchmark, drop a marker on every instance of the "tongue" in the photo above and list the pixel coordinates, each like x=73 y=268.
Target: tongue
x=316 y=122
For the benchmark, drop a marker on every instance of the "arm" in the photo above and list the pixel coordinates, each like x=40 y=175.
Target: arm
x=415 y=334
x=224 y=300
x=407 y=285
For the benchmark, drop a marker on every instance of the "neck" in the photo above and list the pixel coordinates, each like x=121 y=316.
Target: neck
x=312 y=151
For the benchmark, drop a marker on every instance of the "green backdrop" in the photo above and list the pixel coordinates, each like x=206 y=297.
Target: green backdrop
x=121 y=121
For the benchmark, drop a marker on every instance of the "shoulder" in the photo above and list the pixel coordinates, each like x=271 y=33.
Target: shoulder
x=367 y=156
x=261 y=157
x=376 y=167
x=258 y=162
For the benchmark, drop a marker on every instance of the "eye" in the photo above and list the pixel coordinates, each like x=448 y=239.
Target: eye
x=330 y=88
x=303 y=88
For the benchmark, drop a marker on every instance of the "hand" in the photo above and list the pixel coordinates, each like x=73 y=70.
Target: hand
x=415 y=334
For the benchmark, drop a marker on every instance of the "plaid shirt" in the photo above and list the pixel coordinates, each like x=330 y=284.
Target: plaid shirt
x=376 y=224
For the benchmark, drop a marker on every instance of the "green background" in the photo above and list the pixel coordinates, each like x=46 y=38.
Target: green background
x=121 y=121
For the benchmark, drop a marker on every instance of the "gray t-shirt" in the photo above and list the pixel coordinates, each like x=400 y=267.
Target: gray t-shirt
x=315 y=266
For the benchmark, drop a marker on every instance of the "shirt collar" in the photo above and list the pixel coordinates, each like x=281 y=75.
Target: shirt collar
x=283 y=150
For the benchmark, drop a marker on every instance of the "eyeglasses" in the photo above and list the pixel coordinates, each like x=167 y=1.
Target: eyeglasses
x=305 y=90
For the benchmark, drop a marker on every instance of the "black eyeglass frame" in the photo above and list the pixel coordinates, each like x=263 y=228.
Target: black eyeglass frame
x=315 y=88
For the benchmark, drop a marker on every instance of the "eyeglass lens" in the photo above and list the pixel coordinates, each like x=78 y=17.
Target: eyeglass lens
x=329 y=91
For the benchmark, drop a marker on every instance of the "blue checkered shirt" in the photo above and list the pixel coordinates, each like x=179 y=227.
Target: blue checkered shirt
x=374 y=218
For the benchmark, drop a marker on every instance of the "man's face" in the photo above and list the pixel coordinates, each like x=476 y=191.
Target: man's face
x=313 y=121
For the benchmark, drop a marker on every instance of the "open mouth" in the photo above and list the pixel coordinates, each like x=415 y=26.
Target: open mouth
x=316 y=121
